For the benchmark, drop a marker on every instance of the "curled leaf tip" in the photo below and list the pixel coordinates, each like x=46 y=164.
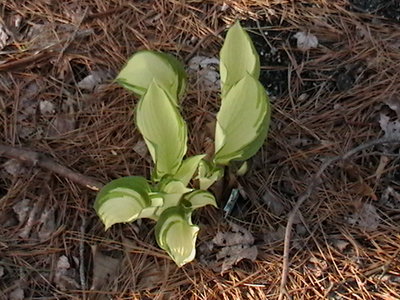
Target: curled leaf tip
x=146 y=66
x=176 y=234
x=238 y=57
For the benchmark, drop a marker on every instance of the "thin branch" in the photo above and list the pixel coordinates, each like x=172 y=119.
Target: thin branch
x=24 y=62
x=82 y=276
x=38 y=159
x=316 y=180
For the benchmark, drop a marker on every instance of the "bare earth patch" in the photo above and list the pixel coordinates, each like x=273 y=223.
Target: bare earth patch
x=331 y=69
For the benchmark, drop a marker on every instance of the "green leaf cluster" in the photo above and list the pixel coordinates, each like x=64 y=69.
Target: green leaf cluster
x=170 y=198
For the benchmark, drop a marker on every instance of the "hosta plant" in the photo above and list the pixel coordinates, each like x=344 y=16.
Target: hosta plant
x=170 y=196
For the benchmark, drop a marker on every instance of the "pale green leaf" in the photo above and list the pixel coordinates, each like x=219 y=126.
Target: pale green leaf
x=238 y=57
x=119 y=210
x=149 y=213
x=176 y=234
x=243 y=169
x=180 y=70
x=208 y=174
x=144 y=67
x=122 y=200
x=163 y=129
x=169 y=201
x=255 y=145
x=242 y=121
x=172 y=192
x=173 y=186
x=200 y=198
x=156 y=199
x=188 y=168
x=136 y=184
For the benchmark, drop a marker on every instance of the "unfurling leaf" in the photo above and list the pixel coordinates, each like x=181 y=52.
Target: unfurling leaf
x=242 y=121
x=243 y=169
x=238 y=57
x=163 y=130
x=176 y=234
x=172 y=191
x=123 y=200
x=144 y=67
x=188 y=168
x=208 y=174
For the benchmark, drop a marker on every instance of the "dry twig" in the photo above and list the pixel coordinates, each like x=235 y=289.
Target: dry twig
x=316 y=180
x=38 y=159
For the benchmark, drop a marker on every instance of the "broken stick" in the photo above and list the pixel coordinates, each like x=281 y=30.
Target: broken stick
x=39 y=159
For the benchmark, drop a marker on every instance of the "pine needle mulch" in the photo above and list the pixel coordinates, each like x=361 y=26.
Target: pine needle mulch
x=326 y=101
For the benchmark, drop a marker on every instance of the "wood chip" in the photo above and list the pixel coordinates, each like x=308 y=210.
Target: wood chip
x=105 y=268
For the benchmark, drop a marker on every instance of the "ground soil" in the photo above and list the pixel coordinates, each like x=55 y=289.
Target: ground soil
x=326 y=101
x=389 y=9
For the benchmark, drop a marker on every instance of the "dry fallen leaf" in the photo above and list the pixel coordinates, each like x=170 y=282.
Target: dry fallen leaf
x=394 y=104
x=341 y=245
x=383 y=161
x=301 y=142
x=14 y=167
x=4 y=36
x=366 y=217
x=47 y=222
x=26 y=230
x=105 y=268
x=231 y=246
x=391 y=128
x=206 y=70
x=317 y=266
x=153 y=276
x=46 y=107
x=61 y=124
x=306 y=40
x=30 y=214
x=232 y=255
x=273 y=202
x=390 y=198
x=65 y=276
x=17 y=294
x=237 y=236
x=275 y=236
x=27 y=109
x=29 y=96
x=94 y=79
x=141 y=149
x=363 y=189
x=46 y=35
x=21 y=209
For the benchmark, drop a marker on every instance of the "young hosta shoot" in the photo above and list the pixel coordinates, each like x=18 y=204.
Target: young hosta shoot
x=144 y=67
x=238 y=57
x=242 y=121
x=241 y=127
x=163 y=130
